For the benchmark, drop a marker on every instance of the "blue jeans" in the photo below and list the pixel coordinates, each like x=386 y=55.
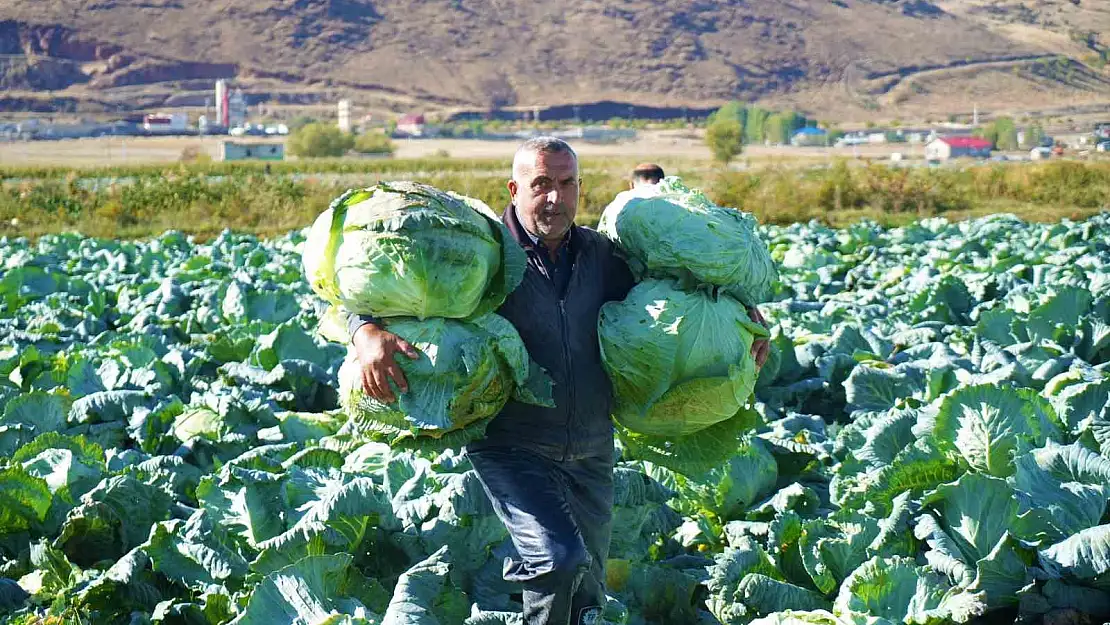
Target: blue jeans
x=559 y=515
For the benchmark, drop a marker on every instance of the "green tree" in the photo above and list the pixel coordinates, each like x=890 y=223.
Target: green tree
x=731 y=110
x=319 y=139
x=725 y=138
x=753 y=127
x=777 y=129
x=1002 y=133
x=1033 y=136
x=299 y=122
x=795 y=121
x=988 y=132
x=1005 y=134
x=373 y=143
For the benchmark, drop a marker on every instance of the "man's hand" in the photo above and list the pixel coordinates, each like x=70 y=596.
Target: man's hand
x=376 y=350
x=761 y=347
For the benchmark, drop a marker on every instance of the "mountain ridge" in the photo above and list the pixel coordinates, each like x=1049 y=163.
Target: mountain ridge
x=503 y=53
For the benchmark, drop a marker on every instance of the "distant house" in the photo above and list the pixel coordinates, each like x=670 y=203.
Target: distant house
x=944 y=148
x=1040 y=153
x=235 y=151
x=851 y=139
x=166 y=123
x=918 y=135
x=809 y=137
x=411 y=125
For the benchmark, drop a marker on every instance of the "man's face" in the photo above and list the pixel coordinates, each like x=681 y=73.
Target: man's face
x=544 y=189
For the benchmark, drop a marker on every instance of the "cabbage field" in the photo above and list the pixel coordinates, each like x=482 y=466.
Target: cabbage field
x=930 y=444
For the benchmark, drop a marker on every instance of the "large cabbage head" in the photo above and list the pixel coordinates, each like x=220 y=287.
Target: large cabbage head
x=680 y=361
x=466 y=372
x=670 y=230
x=409 y=249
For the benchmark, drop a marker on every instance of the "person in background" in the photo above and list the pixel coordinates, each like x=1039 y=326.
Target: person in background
x=645 y=174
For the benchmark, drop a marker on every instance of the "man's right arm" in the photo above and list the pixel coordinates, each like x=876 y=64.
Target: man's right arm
x=376 y=350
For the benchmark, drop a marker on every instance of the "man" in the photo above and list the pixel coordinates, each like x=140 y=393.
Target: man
x=645 y=174
x=547 y=471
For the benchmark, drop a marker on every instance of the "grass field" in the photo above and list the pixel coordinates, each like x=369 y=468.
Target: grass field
x=662 y=145
x=69 y=190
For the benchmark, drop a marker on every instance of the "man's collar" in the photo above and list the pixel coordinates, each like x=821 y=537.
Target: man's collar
x=535 y=239
x=526 y=239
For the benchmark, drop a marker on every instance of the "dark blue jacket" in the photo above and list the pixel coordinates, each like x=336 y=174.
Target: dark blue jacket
x=560 y=331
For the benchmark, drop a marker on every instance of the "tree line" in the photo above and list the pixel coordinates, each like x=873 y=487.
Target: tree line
x=735 y=125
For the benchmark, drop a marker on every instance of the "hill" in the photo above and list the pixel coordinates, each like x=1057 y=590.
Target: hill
x=839 y=55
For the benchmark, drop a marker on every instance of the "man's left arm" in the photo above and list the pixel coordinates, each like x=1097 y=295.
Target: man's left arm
x=619 y=280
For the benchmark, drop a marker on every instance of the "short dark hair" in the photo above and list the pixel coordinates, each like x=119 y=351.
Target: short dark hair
x=648 y=172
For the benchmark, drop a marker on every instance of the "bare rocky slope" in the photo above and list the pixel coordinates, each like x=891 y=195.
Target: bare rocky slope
x=482 y=53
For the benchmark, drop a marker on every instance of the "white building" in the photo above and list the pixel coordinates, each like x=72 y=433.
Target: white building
x=944 y=148
x=236 y=151
x=344 y=115
x=221 y=103
x=236 y=109
x=166 y=122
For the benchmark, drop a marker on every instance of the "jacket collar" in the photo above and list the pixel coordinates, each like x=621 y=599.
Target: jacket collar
x=521 y=236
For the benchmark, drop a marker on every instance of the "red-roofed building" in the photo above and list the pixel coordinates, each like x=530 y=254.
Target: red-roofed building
x=411 y=125
x=944 y=148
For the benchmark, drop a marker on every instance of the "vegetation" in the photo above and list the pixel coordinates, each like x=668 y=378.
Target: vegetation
x=929 y=444
x=725 y=138
x=206 y=198
x=320 y=139
x=1002 y=132
x=760 y=125
x=1034 y=135
x=373 y=143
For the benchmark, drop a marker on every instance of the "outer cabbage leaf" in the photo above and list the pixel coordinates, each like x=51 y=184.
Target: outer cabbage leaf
x=977 y=510
x=833 y=548
x=1083 y=556
x=423 y=595
x=984 y=424
x=693 y=455
x=669 y=229
x=24 y=500
x=1064 y=490
x=313 y=591
x=898 y=590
